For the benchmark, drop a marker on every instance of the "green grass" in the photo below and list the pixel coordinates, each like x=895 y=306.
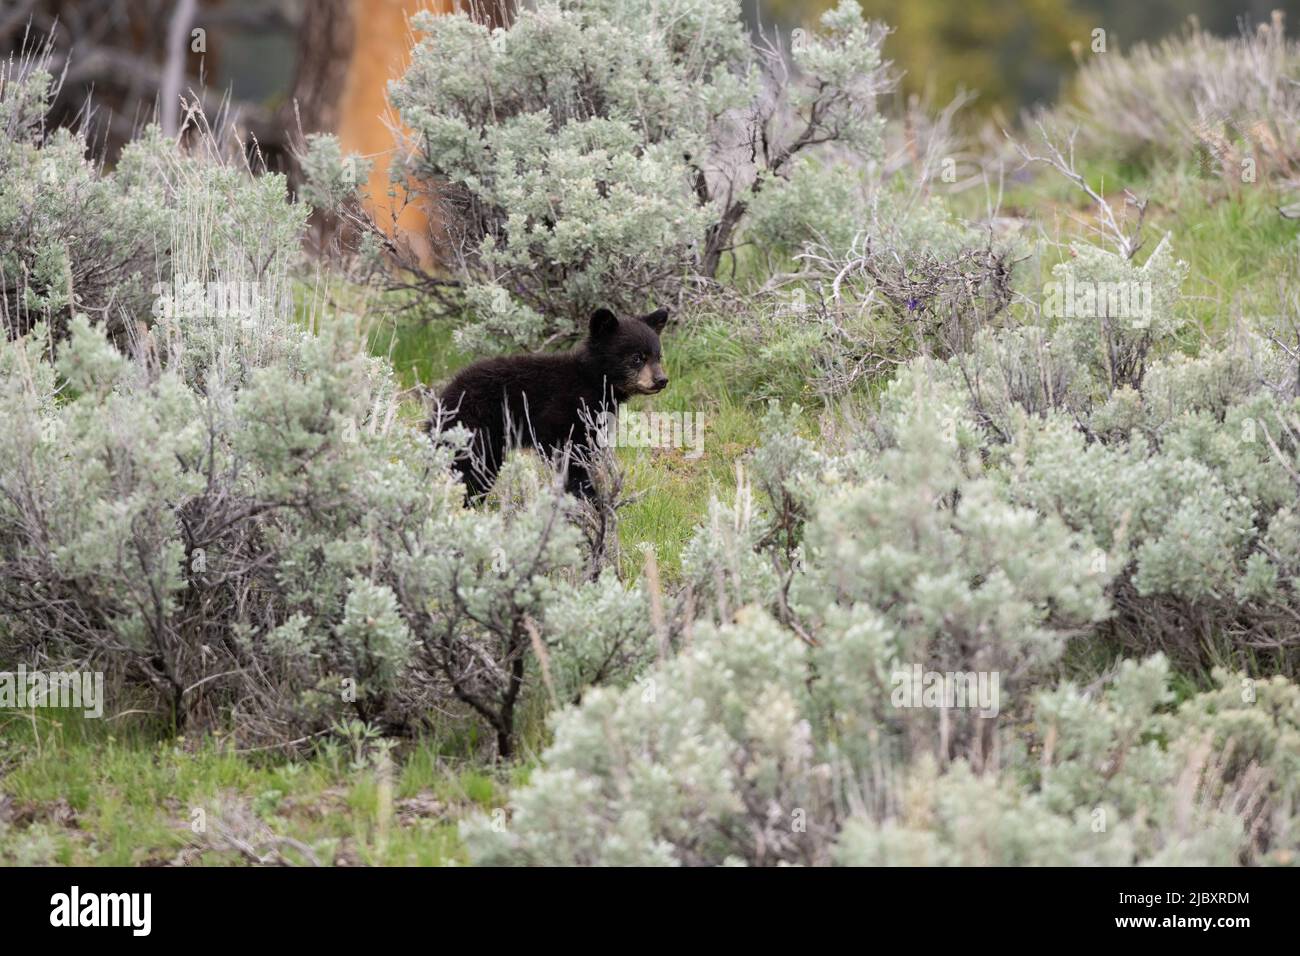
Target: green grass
x=1238 y=246
x=675 y=488
x=1230 y=234
x=421 y=350
x=81 y=792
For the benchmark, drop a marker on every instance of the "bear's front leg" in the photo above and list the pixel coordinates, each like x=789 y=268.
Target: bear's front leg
x=478 y=466
x=578 y=481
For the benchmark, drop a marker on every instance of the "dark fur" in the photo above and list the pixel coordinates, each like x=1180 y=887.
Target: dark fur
x=537 y=401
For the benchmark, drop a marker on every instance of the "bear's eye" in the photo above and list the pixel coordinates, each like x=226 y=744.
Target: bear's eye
x=638 y=358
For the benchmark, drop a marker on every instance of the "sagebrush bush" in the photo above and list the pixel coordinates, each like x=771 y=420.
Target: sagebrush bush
x=880 y=280
x=704 y=761
x=1179 y=468
x=1075 y=480
x=283 y=549
x=555 y=152
x=822 y=203
x=597 y=634
x=723 y=756
x=225 y=510
x=1227 y=105
x=601 y=154
x=137 y=245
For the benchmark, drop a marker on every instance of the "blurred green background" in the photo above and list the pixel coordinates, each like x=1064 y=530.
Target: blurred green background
x=1016 y=53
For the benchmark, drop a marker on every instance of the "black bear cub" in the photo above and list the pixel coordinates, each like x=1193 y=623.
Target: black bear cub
x=544 y=401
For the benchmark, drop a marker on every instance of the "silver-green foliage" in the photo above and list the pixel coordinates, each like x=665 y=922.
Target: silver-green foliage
x=230 y=511
x=115 y=245
x=1181 y=469
x=1057 y=484
x=595 y=154
x=723 y=756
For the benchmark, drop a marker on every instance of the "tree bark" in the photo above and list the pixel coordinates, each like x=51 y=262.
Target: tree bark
x=325 y=43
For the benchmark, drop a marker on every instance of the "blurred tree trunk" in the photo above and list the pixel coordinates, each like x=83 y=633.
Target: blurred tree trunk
x=348 y=52
x=326 y=39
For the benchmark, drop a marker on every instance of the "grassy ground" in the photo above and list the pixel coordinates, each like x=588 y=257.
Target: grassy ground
x=82 y=792
x=121 y=791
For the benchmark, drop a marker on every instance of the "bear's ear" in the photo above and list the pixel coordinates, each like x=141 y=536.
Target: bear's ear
x=656 y=319
x=603 y=322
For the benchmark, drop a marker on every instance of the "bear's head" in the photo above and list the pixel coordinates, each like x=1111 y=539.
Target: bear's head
x=627 y=353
